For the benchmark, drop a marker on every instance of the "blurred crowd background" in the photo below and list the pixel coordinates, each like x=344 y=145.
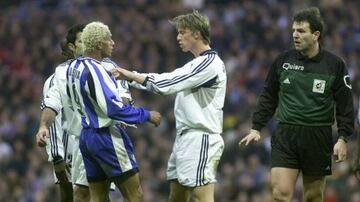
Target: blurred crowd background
x=248 y=35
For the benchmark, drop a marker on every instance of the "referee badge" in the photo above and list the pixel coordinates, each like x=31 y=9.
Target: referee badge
x=319 y=86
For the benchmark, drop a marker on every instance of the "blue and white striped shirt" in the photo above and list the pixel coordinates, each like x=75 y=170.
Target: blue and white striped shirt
x=57 y=97
x=94 y=95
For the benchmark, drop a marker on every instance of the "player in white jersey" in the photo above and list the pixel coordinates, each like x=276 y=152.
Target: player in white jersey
x=200 y=86
x=71 y=47
x=107 y=150
x=59 y=149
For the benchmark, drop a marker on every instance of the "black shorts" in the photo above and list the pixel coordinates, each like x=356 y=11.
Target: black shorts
x=308 y=149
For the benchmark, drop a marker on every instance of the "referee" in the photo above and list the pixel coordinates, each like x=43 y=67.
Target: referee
x=306 y=88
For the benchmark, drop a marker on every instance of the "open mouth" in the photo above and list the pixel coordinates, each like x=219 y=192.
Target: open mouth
x=297 y=45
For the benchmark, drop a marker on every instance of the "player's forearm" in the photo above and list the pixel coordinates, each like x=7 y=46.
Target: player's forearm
x=138 y=78
x=47 y=117
x=129 y=114
x=128 y=75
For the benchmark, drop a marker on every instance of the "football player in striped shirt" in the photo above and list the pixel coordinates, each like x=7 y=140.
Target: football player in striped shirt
x=57 y=100
x=200 y=86
x=105 y=146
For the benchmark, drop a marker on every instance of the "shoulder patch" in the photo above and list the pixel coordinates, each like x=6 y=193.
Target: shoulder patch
x=347 y=81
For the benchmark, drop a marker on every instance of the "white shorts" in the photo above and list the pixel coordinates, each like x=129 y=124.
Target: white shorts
x=60 y=144
x=195 y=157
x=78 y=176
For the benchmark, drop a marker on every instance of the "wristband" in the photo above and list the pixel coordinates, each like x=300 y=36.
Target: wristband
x=145 y=81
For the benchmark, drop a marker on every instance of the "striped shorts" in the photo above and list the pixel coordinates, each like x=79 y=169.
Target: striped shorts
x=78 y=173
x=195 y=157
x=108 y=153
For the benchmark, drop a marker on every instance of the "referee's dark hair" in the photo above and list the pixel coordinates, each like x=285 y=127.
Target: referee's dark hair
x=65 y=50
x=313 y=17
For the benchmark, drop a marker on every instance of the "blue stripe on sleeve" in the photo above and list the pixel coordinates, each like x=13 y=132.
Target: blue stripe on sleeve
x=53 y=141
x=176 y=77
x=198 y=69
x=180 y=76
x=51 y=83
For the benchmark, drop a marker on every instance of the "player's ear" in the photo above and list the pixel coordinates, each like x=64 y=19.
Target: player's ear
x=71 y=47
x=197 y=35
x=316 y=35
x=99 y=45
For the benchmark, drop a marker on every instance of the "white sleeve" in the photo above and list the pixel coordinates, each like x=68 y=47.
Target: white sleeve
x=134 y=84
x=191 y=75
x=55 y=146
x=52 y=98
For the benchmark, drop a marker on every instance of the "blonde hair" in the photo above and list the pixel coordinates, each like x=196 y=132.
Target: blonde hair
x=94 y=33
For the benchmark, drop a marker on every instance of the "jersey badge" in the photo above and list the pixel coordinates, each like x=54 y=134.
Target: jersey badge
x=319 y=86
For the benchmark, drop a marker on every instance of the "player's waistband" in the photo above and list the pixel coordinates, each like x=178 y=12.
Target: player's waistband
x=193 y=130
x=104 y=129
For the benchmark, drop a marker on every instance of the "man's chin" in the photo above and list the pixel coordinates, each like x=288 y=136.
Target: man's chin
x=107 y=55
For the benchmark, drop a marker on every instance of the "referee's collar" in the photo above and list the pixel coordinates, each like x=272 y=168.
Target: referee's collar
x=210 y=51
x=316 y=58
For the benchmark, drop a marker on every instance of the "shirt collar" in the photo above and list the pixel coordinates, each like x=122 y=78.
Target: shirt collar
x=210 y=51
x=316 y=58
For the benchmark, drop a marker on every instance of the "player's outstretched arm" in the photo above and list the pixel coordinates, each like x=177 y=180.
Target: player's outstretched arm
x=123 y=74
x=253 y=135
